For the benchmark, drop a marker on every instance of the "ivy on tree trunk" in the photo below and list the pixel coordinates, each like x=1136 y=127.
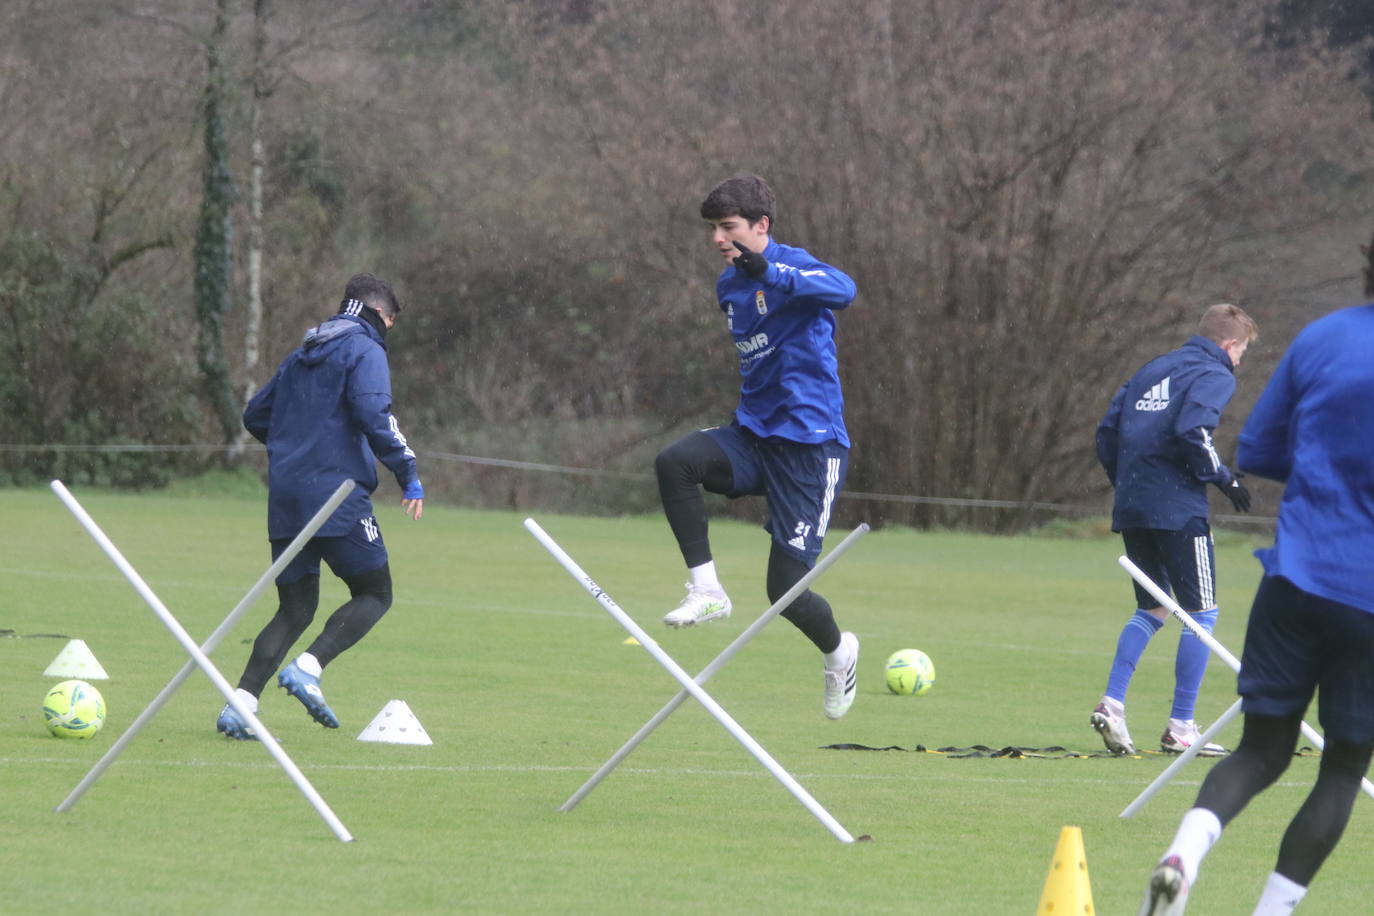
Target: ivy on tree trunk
x=214 y=239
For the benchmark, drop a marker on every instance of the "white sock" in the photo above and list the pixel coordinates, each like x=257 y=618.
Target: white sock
x=1280 y=896
x=704 y=576
x=1198 y=830
x=1114 y=706
x=309 y=664
x=837 y=659
x=247 y=699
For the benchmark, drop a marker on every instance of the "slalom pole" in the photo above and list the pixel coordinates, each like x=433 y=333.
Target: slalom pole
x=1188 y=754
x=710 y=670
x=316 y=522
x=189 y=645
x=691 y=686
x=1211 y=642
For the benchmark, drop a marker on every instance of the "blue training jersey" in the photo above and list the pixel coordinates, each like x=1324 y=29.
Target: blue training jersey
x=1155 y=442
x=783 y=324
x=1313 y=429
x=325 y=417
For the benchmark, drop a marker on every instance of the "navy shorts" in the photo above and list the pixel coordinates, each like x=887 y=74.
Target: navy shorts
x=1296 y=643
x=800 y=480
x=1182 y=562
x=361 y=550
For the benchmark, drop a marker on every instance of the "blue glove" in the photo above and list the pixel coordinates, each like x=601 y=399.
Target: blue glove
x=414 y=490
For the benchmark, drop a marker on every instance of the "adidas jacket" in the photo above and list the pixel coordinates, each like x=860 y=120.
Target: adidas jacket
x=1155 y=442
x=325 y=417
x=783 y=324
x=1313 y=429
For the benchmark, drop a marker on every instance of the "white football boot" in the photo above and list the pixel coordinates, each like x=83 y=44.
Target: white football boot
x=841 y=683
x=1167 y=894
x=1180 y=735
x=1112 y=727
x=702 y=605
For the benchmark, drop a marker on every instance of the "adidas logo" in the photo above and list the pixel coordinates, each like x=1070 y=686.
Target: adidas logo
x=1157 y=398
x=797 y=542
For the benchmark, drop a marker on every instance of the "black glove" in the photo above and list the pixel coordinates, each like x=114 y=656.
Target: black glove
x=1239 y=496
x=751 y=262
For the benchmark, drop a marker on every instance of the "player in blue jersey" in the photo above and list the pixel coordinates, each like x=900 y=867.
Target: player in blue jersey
x=787 y=441
x=1311 y=626
x=325 y=417
x=1155 y=444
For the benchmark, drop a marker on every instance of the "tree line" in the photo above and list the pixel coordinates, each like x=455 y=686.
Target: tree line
x=1033 y=197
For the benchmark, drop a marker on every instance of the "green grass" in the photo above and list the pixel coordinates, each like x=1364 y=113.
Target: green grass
x=526 y=686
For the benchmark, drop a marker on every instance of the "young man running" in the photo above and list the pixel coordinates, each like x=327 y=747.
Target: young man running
x=1311 y=626
x=326 y=417
x=1155 y=444
x=787 y=442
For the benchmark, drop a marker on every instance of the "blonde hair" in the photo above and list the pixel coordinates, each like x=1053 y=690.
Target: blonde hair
x=1223 y=322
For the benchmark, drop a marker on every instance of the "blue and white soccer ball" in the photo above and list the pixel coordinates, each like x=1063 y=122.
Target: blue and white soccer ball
x=909 y=672
x=74 y=709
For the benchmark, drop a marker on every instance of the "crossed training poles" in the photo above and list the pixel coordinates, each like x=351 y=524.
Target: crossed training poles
x=693 y=686
x=199 y=654
x=1225 y=718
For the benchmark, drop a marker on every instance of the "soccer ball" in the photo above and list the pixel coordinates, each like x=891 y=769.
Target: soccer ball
x=909 y=672
x=74 y=709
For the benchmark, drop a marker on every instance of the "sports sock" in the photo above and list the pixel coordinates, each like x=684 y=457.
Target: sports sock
x=1198 y=830
x=247 y=699
x=837 y=659
x=1280 y=896
x=1130 y=645
x=704 y=576
x=1190 y=665
x=309 y=664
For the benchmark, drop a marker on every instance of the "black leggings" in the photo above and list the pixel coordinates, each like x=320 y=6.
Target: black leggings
x=1265 y=750
x=695 y=462
x=370 y=598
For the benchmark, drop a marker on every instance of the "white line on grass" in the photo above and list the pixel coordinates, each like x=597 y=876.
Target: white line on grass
x=964 y=776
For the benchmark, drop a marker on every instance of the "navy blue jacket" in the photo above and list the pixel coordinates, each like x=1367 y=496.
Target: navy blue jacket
x=1155 y=442
x=783 y=324
x=326 y=417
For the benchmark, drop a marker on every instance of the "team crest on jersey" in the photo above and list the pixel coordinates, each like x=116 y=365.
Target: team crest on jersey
x=760 y=303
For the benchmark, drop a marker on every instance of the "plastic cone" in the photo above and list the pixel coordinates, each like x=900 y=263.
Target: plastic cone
x=1067 y=889
x=76 y=660
x=395 y=724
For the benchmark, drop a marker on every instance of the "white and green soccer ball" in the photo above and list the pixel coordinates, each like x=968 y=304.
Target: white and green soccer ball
x=74 y=709
x=909 y=672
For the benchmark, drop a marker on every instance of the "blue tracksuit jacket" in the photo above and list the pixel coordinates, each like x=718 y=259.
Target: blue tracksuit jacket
x=1155 y=441
x=1313 y=429
x=325 y=417
x=783 y=324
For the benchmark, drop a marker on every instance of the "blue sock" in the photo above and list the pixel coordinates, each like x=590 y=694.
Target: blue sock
x=1190 y=665
x=1135 y=636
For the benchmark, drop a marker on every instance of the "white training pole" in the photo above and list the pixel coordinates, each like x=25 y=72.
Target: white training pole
x=1211 y=642
x=287 y=555
x=204 y=663
x=672 y=667
x=1188 y=754
x=709 y=671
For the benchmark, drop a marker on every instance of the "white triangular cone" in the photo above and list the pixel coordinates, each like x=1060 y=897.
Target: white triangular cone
x=76 y=660
x=395 y=724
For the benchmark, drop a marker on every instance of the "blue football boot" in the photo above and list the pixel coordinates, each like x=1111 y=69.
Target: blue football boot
x=306 y=688
x=233 y=726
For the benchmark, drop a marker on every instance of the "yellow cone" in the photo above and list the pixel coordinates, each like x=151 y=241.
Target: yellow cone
x=1067 y=889
x=630 y=641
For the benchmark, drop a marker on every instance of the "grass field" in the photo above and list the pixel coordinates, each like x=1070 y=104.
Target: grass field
x=526 y=686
